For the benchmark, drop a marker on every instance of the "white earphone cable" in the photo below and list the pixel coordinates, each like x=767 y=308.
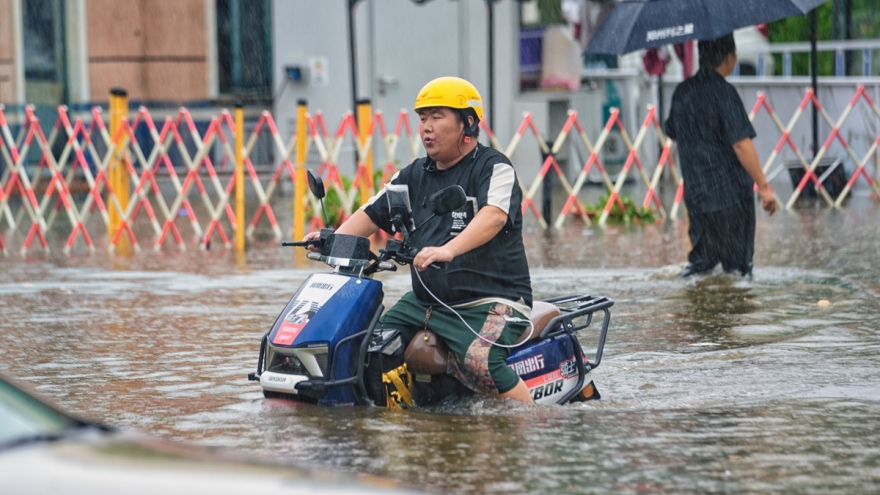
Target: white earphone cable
x=507 y=318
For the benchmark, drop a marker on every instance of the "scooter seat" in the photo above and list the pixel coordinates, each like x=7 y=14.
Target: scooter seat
x=542 y=313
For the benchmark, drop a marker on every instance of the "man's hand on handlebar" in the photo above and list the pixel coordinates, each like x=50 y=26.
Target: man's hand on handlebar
x=428 y=255
x=311 y=236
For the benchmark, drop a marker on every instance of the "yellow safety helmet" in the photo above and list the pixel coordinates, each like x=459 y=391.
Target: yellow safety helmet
x=452 y=92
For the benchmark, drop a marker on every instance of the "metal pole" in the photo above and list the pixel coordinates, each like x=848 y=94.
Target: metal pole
x=841 y=11
x=814 y=68
x=235 y=41
x=352 y=55
x=118 y=177
x=114 y=214
x=547 y=197
x=491 y=88
x=299 y=196
x=847 y=32
x=18 y=54
x=660 y=108
x=364 y=121
x=835 y=19
x=239 y=177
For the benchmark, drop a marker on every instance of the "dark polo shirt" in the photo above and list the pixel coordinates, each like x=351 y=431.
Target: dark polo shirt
x=498 y=268
x=707 y=117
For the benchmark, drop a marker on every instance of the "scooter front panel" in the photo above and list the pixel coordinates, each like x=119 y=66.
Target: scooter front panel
x=304 y=305
x=326 y=310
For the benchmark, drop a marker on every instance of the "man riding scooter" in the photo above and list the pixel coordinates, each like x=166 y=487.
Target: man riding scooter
x=479 y=302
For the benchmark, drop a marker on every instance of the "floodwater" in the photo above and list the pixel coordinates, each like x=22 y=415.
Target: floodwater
x=709 y=385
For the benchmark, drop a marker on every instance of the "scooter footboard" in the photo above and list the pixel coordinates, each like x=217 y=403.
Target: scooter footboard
x=577 y=314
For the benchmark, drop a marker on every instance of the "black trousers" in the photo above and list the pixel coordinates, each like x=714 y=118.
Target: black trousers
x=726 y=236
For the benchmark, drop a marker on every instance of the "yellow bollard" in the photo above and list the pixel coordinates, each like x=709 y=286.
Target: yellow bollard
x=299 y=196
x=239 y=177
x=365 y=121
x=118 y=176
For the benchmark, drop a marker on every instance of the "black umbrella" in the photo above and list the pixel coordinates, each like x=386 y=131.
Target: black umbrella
x=638 y=24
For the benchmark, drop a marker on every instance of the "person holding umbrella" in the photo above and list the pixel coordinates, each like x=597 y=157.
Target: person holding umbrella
x=719 y=164
x=718 y=160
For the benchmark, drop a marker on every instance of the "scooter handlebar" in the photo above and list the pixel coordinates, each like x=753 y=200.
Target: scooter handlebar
x=317 y=241
x=408 y=254
x=313 y=242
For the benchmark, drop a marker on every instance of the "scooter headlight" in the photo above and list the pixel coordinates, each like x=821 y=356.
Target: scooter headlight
x=288 y=364
x=308 y=361
x=321 y=359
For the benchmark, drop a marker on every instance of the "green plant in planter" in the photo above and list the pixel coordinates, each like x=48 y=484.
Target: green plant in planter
x=333 y=204
x=627 y=215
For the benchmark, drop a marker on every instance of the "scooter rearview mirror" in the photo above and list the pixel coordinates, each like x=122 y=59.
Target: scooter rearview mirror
x=447 y=200
x=316 y=185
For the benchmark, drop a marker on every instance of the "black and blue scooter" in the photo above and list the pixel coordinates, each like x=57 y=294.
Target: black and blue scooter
x=324 y=347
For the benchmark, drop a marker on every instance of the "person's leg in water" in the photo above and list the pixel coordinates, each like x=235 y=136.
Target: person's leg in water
x=520 y=392
x=702 y=258
x=738 y=250
x=487 y=368
x=475 y=361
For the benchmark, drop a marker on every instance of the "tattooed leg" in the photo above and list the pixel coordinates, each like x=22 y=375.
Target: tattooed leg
x=473 y=369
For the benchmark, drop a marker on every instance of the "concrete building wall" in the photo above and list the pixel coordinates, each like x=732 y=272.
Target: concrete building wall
x=156 y=50
x=7 y=52
x=400 y=46
x=115 y=47
x=302 y=31
x=175 y=45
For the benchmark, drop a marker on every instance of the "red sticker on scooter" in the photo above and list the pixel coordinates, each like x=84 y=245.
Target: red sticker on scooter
x=291 y=327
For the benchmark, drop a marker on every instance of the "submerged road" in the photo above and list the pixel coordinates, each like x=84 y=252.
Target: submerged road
x=710 y=384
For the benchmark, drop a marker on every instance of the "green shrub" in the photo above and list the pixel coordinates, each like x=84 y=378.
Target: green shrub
x=630 y=212
x=336 y=213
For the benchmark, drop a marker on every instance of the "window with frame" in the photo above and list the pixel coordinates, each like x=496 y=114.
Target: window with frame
x=244 y=47
x=45 y=67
